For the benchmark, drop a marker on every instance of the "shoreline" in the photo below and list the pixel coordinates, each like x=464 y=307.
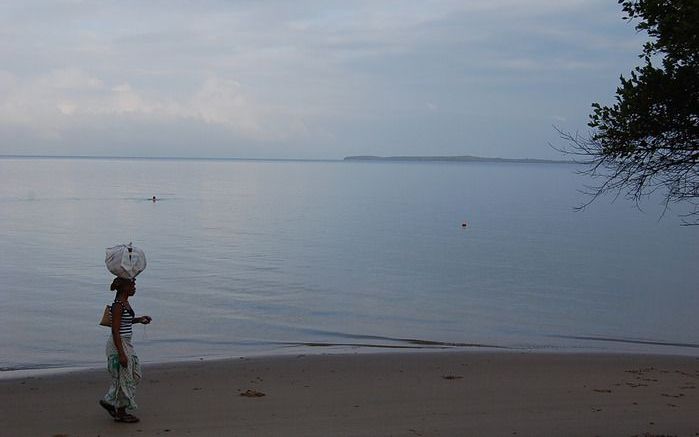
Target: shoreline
x=38 y=370
x=406 y=393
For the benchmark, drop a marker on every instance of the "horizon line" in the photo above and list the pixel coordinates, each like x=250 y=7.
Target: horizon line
x=228 y=158
x=173 y=158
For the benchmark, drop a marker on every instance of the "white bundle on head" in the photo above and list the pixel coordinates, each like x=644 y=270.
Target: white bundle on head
x=125 y=261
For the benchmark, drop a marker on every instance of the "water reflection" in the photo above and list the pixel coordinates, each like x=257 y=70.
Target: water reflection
x=266 y=256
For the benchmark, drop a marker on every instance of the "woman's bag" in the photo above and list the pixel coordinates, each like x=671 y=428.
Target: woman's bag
x=106 y=316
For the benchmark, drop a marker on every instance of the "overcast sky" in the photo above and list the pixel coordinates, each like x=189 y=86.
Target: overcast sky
x=305 y=79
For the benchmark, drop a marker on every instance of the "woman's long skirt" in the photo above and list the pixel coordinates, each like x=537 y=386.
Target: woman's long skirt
x=122 y=391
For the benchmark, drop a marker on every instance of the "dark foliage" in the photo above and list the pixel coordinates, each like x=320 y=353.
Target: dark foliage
x=648 y=139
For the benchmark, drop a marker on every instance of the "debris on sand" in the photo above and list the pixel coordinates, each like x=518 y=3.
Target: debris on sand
x=249 y=393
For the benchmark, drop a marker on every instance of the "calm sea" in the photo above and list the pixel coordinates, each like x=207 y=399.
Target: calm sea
x=272 y=257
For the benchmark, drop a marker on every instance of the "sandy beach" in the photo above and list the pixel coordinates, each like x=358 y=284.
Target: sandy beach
x=397 y=394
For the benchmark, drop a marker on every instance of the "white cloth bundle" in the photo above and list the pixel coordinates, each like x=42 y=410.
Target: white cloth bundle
x=125 y=261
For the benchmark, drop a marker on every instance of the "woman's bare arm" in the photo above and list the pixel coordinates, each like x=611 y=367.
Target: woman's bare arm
x=143 y=319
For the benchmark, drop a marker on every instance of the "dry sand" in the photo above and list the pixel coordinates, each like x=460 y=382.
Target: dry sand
x=399 y=394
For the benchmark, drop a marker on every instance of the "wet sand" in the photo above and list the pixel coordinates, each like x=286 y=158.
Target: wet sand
x=399 y=394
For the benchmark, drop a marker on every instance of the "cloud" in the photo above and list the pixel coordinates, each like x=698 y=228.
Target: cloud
x=309 y=76
x=63 y=99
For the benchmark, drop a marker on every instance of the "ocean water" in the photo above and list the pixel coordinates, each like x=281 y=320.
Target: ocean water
x=274 y=257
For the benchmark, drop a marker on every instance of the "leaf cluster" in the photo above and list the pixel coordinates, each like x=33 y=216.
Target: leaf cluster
x=648 y=139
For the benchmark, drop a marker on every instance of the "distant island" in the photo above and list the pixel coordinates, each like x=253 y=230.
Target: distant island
x=462 y=158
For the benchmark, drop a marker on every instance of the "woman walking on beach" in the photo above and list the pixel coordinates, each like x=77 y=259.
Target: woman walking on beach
x=122 y=362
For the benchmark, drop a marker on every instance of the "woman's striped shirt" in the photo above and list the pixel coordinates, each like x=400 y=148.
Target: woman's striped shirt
x=127 y=316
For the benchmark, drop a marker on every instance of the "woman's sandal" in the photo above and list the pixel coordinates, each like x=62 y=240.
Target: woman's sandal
x=107 y=406
x=126 y=418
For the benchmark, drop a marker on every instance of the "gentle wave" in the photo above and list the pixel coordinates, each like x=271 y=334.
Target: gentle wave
x=629 y=341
